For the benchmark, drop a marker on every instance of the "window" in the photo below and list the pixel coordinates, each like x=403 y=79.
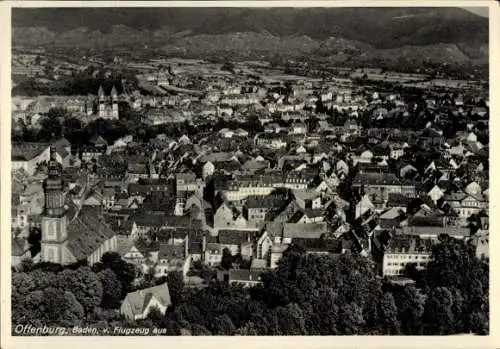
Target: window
x=50 y=254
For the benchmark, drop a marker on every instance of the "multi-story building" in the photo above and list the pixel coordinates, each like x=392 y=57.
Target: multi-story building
x=405 y=250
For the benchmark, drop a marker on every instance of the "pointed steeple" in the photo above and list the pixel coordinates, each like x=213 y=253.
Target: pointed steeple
x=114 y=92
x=100 y=93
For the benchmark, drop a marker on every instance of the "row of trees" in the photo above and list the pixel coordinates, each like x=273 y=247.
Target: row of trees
x=49 y=294
x=305 y=295
x=52 y=295
x=341 y=295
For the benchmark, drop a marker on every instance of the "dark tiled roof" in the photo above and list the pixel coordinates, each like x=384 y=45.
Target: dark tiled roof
x=269 y=201
x=234 y=237
x=370 y=178
x=409 y=244
x=397 y=199
x=27 y=151
x=86 y=232
x=244 y=275
x=429 y=230
x=310 y=230
x=318 y=245
x=170 y=252
x=19 y=246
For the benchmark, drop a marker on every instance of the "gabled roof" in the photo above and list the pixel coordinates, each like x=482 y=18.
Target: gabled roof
x=234 y=237
x=97 y=140
x=26 y=150
x=19 y=246
x=171 y=252
x=139 y=300
x=372 y=178
x=62 y=143
x=274 y=229
x=430 y=230
x=391 y=213
x=87 y=232
x=318 y=245
x=244 y=275
x=409 y=244
x=306 y=194
x=271 y=201
x=310 y=230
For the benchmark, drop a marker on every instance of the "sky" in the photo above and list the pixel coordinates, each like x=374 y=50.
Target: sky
x=481 y=11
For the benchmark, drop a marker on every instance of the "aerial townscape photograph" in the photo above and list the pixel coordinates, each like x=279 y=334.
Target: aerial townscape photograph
x=249 y=171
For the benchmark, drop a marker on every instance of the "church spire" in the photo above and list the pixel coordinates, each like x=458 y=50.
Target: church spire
x=53 y=187
x=100 y=93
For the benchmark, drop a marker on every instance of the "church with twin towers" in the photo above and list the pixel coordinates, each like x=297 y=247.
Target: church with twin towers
x=108 y=104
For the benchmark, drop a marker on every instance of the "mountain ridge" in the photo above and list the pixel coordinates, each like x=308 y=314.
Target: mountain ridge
x=445 y=35
x=380 y=27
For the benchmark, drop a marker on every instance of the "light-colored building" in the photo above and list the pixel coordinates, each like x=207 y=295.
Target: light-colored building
x=138 y=304
x=405 y=250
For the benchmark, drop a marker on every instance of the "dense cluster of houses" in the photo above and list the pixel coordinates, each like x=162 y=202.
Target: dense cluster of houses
x=328 y=188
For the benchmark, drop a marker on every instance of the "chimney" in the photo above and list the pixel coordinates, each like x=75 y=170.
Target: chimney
x=186 y=246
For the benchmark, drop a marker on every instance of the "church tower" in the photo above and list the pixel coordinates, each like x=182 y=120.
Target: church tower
x=114 y=103
x=102 y=102
x=54 y=220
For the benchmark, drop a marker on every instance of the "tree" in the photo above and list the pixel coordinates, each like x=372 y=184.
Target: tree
x=227 y=259
x=84 y=284
x=50 y=129
x=388 y=314
x=125 y=272
x=189 y=313
x=175 y=281
x=223 y=326
x=111 y=289
x=33 y=309
x=248 y=330
x=200 y=330
x=43 y=279
x=451 y=263
x=410 y=305
x=57 y=113
x=61 y=308
x=478 y=323
x=291 y=320
x=455 y=267
x=322 y=312
x=438 y=313
x=351 y=321
x=22 y=284
x=34 y=238
x=156 y=316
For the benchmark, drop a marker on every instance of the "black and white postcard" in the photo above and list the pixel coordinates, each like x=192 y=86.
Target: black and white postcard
x=229 y=169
